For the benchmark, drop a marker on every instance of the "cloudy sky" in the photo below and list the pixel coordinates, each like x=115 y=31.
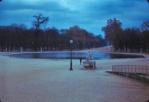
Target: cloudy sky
x=91 y=15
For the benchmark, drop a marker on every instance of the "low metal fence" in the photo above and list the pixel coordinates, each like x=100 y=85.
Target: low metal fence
x=138 y=69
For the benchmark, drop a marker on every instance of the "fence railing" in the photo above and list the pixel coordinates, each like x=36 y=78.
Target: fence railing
x=140 y=69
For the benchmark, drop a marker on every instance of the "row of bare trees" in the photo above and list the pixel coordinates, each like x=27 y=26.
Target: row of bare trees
x=130 y=39
x=16 y=37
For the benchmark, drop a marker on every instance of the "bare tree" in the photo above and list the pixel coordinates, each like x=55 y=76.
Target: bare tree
x=145 y=35
x=40 y=21
x=145 y=26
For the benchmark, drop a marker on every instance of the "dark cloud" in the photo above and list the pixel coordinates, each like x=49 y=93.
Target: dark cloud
x=47 y=6
x=88 y=14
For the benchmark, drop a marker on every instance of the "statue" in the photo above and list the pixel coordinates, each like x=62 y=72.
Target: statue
x=89 y=63
x=89 y=57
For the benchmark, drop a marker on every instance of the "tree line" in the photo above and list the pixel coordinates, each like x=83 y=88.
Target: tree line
x=16 y=37
x=129 y=39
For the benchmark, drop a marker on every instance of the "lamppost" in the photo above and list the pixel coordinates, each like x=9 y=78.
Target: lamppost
x=71 y=41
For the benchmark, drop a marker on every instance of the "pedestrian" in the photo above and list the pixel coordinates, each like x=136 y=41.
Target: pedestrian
x=80 y=61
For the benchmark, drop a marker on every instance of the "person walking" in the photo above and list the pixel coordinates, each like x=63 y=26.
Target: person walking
x=80 y=61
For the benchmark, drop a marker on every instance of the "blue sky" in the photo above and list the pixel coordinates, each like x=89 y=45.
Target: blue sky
x=91 y=15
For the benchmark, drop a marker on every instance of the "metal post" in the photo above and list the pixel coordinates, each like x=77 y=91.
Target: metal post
x=71 y=61
x=71 y=41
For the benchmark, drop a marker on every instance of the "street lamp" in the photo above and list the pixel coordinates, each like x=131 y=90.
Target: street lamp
x=71 y=41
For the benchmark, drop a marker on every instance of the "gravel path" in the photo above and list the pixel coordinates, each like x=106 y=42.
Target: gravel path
x=44 y=80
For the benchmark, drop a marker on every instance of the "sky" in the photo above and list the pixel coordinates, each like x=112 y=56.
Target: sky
x=90 y=15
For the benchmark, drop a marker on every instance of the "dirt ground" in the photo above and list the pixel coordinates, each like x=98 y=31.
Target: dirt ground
x=46 y=80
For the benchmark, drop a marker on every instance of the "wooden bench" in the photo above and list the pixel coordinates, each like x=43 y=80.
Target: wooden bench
x=89 y=64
